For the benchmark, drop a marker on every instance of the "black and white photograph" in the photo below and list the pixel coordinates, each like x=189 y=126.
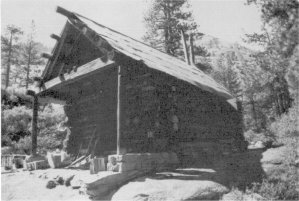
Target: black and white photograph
x=149 y=100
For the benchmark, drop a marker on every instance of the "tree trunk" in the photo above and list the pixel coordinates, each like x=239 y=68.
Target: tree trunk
x=8 y=61
x=166 y=33
x=185 y=47
x=254 y=112
x=192 y=58
x=28 y=67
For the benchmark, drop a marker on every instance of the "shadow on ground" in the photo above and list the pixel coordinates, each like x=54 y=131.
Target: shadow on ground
x=238 y=170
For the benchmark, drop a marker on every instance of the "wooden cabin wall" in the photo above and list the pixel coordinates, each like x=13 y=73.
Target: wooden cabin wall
x=150 y=100
x=138 y=107
x=206 y=116
x=93 y=107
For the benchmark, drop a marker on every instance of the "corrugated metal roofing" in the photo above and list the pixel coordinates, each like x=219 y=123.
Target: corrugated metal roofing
x=156 y=59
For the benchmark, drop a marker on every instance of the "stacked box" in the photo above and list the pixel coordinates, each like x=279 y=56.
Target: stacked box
x=144 y=161
x=54 y=159
x=42 y=164
x=125 y=167
x=97 y=165
x=127 y=162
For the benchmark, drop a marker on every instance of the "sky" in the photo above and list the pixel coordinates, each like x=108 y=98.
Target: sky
x=228 y=20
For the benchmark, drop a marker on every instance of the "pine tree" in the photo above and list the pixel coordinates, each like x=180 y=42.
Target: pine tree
x=226 y=73
x=164 y=22
x=280 y=39
x=30 y=59
x=9 y=51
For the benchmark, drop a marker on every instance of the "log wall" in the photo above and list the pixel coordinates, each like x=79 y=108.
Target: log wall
x=92 y=111
x=158 y=112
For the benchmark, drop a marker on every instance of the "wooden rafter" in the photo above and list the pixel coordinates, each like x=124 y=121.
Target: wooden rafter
x=67 y=53
x=47 y=99
x=56 y=52
x=95 y=39
x=54 y=36
x=81 y=72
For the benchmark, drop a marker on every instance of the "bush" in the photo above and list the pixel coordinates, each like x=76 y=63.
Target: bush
x=16 y=127
x=278 y=189
x=16 y=119
x=286 y=127
x=282 y=184
x=286 y=131
x=252 y=137
x=23 y=145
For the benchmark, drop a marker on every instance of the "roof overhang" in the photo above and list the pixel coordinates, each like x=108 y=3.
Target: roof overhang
x=108 y=41
x=81 y=72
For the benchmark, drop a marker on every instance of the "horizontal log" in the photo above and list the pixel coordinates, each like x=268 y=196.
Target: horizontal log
x=91 y=119
x=45 y=100
x=65 y=12
x=54 y=36
x=46 y=55
x=30 y=93
x=92 y=115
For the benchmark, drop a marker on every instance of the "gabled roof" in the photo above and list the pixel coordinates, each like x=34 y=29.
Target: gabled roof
x=154 y=58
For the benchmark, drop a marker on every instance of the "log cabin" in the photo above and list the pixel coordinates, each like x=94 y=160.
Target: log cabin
x=127 y=97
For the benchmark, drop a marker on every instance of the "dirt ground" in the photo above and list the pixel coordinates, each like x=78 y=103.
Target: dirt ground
x=27 y=186
x=238 y=170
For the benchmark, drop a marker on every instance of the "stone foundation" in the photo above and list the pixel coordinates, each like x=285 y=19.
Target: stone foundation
x=143 y=161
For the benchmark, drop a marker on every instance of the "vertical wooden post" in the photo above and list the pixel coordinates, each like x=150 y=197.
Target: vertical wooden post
x=192 y=59
x=185 y=47
x=34 y=125
x=118 y=110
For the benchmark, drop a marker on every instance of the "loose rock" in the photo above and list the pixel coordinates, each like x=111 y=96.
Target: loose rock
x=68 y=180
x=59 y=180
x=51 y=184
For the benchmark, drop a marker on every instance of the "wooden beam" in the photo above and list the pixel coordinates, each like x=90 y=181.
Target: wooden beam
x=82 y=71
x=185 y=47
x=60 y=45
x=34 y=126
x=57 y=50
x=95 y=39
x=65 y=12
x=46 y=55
x=47 y=99
x=54 y=36
x=30 y=92
x=118 y=110
x=34 y=121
